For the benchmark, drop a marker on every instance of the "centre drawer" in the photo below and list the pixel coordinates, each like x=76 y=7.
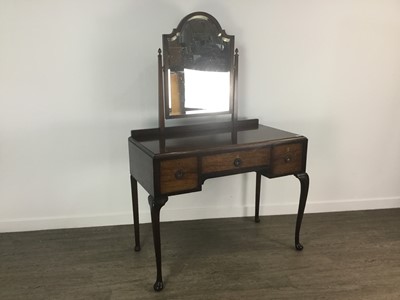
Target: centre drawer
x=236 y=160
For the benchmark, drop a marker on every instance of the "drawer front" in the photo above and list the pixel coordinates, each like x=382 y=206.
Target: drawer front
x=287 y=159
x=235 y=160
x=178 y=175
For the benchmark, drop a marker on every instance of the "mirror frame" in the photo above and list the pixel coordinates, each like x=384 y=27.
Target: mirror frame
x=164 y=110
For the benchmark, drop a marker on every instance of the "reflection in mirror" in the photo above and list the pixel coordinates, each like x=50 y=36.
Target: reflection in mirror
x=204 y=92
x=198 y=65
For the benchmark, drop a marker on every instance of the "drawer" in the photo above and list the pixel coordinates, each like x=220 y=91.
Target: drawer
x=235 y=160
x=178 y=175
x=287 y=159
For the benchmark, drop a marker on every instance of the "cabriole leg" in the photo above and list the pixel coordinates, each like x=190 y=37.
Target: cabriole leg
x=135 y=212
x=155 y=207
x=304 y=183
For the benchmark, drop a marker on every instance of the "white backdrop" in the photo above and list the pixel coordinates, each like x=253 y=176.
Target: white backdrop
x=77 y=76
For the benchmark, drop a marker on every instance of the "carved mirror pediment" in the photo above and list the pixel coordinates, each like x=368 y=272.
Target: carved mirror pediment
x=199 y=69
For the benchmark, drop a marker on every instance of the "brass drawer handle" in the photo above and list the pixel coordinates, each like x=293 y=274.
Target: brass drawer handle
x=288 y=158
x=179 y=174
x=237 y=162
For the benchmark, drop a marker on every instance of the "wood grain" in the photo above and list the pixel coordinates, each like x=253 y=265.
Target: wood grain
x=350 y=255
x=287 y=159
x=225 y=161
x=169 y=169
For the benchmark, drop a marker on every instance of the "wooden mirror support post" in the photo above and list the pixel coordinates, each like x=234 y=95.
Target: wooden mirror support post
x=174 y=160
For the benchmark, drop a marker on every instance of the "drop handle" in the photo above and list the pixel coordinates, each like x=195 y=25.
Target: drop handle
x=237 y=162
x=179 y=174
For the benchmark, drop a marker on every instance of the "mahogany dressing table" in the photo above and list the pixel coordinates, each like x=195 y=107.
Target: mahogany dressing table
x=173 y=160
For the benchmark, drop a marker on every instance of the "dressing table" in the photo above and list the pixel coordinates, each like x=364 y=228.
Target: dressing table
x=197 y=81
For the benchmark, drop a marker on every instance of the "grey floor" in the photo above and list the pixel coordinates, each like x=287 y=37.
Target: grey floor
x=351 y=255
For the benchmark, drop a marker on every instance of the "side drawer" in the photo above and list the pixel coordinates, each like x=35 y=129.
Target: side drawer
x=178 y=175
x=235 y=160
x=287 y=159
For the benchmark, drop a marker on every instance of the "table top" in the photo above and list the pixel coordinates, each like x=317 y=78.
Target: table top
x=201 y=138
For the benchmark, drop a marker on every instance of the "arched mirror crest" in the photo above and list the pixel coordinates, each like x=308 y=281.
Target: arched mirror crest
x=198 y=68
